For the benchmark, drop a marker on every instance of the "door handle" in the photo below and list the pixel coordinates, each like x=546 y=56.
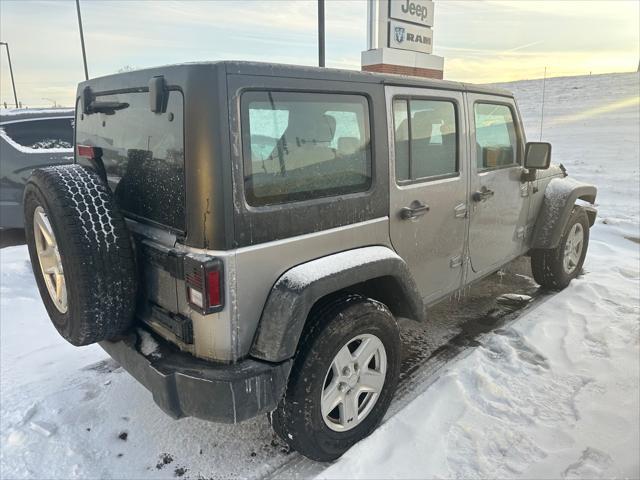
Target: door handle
x=415 y=210
x=482 y=194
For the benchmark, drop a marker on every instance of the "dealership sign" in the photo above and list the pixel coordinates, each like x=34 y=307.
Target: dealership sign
x=415 y=11
x=407 y=36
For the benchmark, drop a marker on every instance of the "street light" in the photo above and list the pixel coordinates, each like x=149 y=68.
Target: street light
x=55 y=105
x=84 y=53
x=13 y=83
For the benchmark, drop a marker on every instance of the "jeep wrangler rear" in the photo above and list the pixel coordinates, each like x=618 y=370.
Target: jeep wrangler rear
x=242 y=237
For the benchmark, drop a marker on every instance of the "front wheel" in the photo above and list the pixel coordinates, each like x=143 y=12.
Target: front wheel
x=343 y=378
x=555 y=268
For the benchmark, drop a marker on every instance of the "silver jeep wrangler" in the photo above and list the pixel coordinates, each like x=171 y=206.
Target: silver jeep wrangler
x=241 y=237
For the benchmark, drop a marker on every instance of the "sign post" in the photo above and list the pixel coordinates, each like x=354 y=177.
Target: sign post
x=400 y=38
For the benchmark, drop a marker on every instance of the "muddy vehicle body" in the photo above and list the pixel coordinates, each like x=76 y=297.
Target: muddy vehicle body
x=241 y=237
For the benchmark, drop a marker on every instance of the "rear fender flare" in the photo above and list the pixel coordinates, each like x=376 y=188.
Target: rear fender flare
x=559 y=199
x=298 y=289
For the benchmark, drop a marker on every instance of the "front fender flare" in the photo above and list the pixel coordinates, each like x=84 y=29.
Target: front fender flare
x=559 y=198
x=299 y=288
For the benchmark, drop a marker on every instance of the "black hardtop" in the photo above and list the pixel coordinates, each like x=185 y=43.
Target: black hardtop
x=212 y=144
x=184 y=70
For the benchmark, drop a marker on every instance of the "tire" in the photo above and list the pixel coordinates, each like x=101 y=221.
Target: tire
x=94 y=297
x=299 y=419
x=548 y=266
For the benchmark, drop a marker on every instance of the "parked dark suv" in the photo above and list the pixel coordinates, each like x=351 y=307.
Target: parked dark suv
x=29 y=139
x=241 y=237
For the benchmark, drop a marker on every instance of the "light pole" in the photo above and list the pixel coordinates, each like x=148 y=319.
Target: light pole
x=13 y=83
x=321 y=33
x=84 y=54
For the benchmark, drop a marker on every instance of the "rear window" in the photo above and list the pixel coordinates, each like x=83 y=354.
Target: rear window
x=143 y=155
x=40 y=134
x=302 y=146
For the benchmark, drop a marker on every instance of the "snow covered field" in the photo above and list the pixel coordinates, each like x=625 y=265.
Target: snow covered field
x=553 y=393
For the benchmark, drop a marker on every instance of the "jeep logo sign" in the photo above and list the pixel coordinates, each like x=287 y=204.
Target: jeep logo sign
x=410 y=37
x=415 y=11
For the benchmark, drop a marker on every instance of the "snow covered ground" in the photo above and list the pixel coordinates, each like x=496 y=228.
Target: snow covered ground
x=556 y=394
x=553 y=393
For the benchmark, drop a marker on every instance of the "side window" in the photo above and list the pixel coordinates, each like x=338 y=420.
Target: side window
x=496 y=136
x=41 y=134
x=425 y=139
x=301 y=146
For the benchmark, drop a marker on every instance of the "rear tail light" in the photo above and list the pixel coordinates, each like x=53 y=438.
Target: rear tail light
x=214 y=293
x=204 y=281
x=86 y=151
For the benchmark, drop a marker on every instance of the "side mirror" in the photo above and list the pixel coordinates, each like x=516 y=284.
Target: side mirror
x=537 y=155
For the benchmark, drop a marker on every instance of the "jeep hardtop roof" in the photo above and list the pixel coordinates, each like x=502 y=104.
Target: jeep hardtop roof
x=203 y=214
x=231 y=67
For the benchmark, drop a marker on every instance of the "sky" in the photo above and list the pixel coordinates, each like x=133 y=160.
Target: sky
x=481 y=41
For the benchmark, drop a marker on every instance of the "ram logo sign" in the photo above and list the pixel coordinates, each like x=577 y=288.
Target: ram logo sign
x=410 y=37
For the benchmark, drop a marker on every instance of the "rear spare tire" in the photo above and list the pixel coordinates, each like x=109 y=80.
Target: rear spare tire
x=81 y=253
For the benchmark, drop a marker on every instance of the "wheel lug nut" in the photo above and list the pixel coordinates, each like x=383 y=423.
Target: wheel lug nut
x=346 y=372
x=342 y=387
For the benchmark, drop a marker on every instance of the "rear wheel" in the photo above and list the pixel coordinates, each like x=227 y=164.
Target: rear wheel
x=555 y=268
x=343 y=378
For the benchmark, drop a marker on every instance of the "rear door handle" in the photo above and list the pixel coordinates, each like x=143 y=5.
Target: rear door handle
x=482 y=194
x=415 y=210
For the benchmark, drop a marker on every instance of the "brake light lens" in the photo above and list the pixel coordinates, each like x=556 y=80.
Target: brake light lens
x=204 y=281
x=86 y=151
x=213 y=289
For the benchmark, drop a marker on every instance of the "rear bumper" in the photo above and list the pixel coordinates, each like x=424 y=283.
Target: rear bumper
x=184 y=386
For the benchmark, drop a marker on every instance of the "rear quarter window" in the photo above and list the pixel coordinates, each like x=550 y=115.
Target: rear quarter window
x=143 y=155
x=302 y=146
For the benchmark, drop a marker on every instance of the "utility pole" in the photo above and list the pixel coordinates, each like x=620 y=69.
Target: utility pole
x=320 y=33
x=13 y=83
x=84 y=53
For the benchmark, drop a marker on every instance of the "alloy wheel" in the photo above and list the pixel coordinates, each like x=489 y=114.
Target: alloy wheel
x=353 y=382
x=49 y=259
x=573 y=248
